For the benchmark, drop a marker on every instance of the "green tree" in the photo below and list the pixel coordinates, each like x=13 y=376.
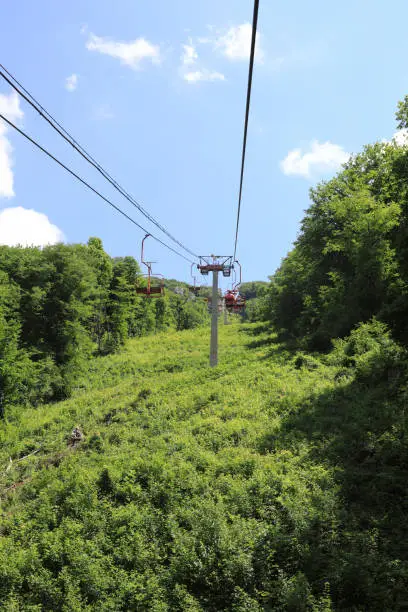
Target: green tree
x=102 y=264
x=350 y=261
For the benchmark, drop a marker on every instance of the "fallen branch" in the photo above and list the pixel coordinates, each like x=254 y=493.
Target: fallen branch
x=29 y=454
x=11 y=462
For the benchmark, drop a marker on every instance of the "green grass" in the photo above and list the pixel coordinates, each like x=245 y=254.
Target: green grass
x=194 y=488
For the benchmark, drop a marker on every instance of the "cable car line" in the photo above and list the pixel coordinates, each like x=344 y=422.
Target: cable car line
x=232 y=301
x=28 y=97
x=95 y=191
x=248 y=103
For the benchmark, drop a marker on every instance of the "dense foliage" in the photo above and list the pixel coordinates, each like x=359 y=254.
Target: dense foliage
x=350 y=261
x=253 y=289
x=61 y=304
x=275 y=482
x=253 y=292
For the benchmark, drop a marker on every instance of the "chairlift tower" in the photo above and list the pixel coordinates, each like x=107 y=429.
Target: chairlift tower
x=215 y=264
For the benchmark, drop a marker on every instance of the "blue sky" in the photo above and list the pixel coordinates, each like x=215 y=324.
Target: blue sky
x=158 y=98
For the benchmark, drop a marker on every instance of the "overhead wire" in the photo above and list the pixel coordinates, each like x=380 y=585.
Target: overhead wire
x=95 y=191
x=29 y=98
x=248 y=103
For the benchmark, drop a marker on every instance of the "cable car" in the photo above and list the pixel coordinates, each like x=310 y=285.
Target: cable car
x=151 y=290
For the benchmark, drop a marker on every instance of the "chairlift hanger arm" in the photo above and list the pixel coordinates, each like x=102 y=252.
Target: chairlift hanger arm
x=240 y=275
x=155 y=291
x=146 y=263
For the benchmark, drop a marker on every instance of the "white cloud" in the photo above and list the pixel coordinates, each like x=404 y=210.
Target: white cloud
x=71 y=82
x=189 y=60
x=400 y=138
x=190 y=55
x=10 y=108
x=6 y=163
x=131 y=54
x=235 y=44
x=21 y=226
x=203 y=75
x=322 y=158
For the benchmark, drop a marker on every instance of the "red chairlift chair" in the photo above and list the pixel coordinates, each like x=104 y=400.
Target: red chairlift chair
x=230 y=294
x=229 y=300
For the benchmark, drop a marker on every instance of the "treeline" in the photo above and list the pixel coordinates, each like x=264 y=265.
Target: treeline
x=350 y=261
x=63 y=304
x=342 y=292
x=252 y=291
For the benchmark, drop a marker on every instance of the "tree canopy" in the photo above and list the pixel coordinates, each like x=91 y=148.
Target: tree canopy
x=62 y=304
x=350 y=260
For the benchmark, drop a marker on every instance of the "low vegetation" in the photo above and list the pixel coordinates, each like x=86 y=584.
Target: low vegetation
x=275 y=481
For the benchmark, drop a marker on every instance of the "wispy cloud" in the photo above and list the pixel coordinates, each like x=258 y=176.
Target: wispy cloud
x=21 y=226
x=321 y=158
x=10 y=108
x=190 y=55
x=103 y=112
x=131 y=54
x=191 y=69
x=235 y=43
x=203 y=75
x=71 y=82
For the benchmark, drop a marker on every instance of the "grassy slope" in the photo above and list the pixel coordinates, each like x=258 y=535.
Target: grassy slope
x=194 y=488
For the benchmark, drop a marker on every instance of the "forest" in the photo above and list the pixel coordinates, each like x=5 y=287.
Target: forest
x=135 y=477
x=62 y=305
x=350 y=260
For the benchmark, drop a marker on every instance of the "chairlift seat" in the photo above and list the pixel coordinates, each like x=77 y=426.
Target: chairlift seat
x=154 y=291
x=157 y=290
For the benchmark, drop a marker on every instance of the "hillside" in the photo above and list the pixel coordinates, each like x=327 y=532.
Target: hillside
x=62 y=305
x=272 y=482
